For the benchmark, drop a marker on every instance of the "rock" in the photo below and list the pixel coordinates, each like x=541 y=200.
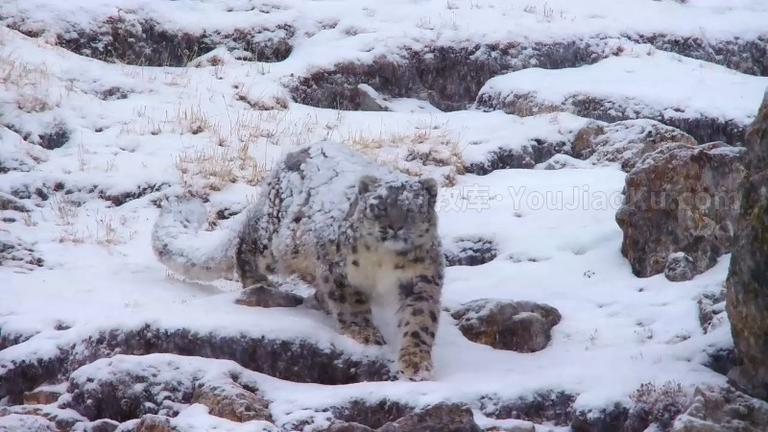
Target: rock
x=711 y=310
x=470 y=251
x=127 y=387
x=586 y=92
x=518 y=326
x=372 y=414
x=722 y=409
x=25 y=423
x=535 y=152
x=267 y=297
x=679 y=267
x=449 y=77
x=9 y=202
x=441 y=417
x=231 y=401
x=555 y=407
x=42 y=396
x=348 y=427
x=625 y=142
x=154 y=423
x=601 y=420
x=298 y=360
x=747 y=283
x=370 y=99
x=62 y=418
x=15 y=252
x=680 y=198
x=102 y=425
x=132 y=38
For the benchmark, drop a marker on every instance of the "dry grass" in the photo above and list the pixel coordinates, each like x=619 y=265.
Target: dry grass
x=31 y=83
x=427 y=151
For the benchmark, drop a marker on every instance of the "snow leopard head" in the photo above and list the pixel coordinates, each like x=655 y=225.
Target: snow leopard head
x=398 y=215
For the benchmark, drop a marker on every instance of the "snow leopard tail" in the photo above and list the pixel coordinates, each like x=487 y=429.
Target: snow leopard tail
x=181 y=245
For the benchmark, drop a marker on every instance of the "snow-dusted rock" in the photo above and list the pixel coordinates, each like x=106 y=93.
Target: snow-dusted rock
x=722 y=409
x=624 y=142
x=470 y=251
x=688 y=93
x=747 y=283
x=441 y=417
x=229 y=400
x=679 y=267
x=127 y=387
x=518 y=326
x=262 y=296
x=293 y=359
x=26 y=423
x=680 y=198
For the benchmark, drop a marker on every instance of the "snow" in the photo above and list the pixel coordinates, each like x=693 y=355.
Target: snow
x=554 y=229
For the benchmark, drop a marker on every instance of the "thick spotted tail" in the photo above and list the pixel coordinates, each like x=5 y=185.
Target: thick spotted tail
x=181 y=245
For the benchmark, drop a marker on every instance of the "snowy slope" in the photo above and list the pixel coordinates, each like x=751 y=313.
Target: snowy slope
x=134 y=135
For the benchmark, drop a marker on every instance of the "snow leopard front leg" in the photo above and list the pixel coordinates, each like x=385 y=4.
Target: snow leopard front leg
x=417 y=322
x=350 y=306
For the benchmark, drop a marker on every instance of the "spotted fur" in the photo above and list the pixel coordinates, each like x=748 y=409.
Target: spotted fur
x=353 y=229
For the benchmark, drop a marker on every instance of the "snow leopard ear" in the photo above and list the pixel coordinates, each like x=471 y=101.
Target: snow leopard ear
x=430 y=185
x=367 y=183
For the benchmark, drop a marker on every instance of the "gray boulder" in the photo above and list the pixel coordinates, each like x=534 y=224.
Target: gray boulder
x=747 y=283
x=681 y=198
x=520 y=326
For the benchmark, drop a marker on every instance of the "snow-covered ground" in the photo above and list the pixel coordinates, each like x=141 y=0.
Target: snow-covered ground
x=137 y=134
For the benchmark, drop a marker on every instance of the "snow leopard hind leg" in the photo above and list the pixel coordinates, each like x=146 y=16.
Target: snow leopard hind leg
x=253 y=259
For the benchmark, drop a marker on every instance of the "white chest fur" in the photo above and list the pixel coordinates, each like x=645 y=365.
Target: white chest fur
x=376 y=274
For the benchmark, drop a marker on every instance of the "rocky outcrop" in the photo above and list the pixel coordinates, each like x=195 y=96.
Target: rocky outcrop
x=747 y=283
x=470 y=251
x=527 y=156
x=137 y=40
x=14 y=252
x=624 y=142
x=703 y=128
x=555 y=407
x=291 y=359
x=722 y=409
x=448 y=77
x=742 y=54
x=27 y=423
x=680 y=198
x=511 y=325
x=127 y=387
x=441 y=417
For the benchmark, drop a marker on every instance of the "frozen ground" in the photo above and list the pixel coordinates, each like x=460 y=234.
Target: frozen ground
x=134 y=135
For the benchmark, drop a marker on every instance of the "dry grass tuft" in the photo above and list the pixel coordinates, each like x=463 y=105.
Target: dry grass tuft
x=427 y=151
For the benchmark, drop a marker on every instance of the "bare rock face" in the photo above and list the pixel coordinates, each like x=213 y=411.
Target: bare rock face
x=625 y=142
x=747 y=283
x=723 y=410
x=680 y=198
x=518 y=326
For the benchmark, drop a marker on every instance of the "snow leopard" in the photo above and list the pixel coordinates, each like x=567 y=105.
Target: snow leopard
x=350 y=227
